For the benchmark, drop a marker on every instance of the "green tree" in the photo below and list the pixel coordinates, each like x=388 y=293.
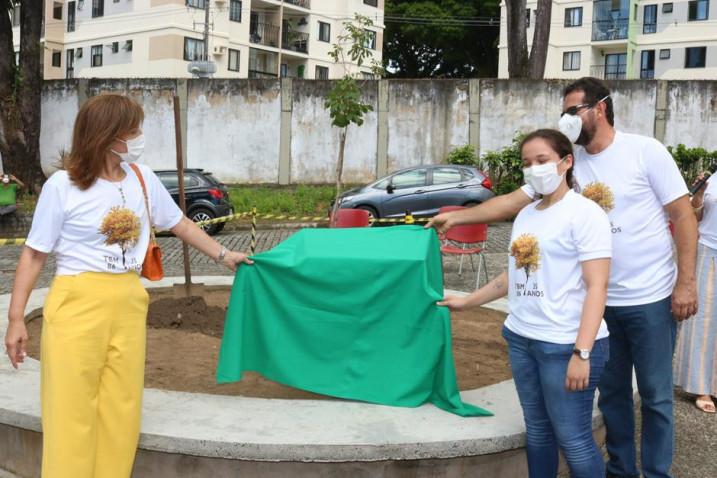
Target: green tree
x=441 y=38
x=344 y=100
x=21 y=92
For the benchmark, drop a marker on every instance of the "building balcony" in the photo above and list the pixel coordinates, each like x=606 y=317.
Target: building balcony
x=609 y=72
x=264 y=34
x=610 y=30
x=295 y=41
x=300 y=3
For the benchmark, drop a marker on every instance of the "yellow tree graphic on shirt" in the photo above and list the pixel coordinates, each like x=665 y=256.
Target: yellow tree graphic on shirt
x=601 y=194
x=526 y=252
x=121 y=226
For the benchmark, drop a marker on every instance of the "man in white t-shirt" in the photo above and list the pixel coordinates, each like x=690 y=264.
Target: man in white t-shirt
x=636 y=181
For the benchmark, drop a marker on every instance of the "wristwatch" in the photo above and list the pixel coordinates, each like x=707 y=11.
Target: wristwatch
x=584 y=354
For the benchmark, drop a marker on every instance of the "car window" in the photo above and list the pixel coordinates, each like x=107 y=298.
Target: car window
x=190 y=181
x=468 y=174
x=381 y=184
x=446 y=176
x=210 y=177
x=409 y=179
x=169 y=181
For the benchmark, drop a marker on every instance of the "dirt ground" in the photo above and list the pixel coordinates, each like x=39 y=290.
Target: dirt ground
x=191 y=328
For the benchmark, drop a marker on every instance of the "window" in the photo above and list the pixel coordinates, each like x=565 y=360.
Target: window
x=128 y=45
x=324 y=32
x=695 y=57
x=410 y=179
x=56 y=58
x=57 y=10
x=322 y=73
x=527 y=18
x=197 y=4
x=71 y=16
x=649 y=22
x=170 y=181
x=574 y=17
x=98 y=8
x=615 y=66
x=367 y=76
x=70 y=63
x=96 y=55
x=667 y=8
x=233 y=60
x=78 y=53
x=446 y=176
x=15 y=14
x=235 y=11
x=647 y=65
x=193 y=49
x=370 y=39
x=699 y=10
x=665 y=54
x=373 y=3
x=115 y=47
x=571 y=60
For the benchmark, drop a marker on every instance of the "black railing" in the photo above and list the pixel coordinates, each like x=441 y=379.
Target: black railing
x=299 y=3
x=261 y=74
x=609 y=72
x=295 y=41
x=264 y=34
x=607 y=30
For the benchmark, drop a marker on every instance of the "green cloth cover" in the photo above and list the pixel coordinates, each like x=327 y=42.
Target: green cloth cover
x=349 y=313
x=8 y=194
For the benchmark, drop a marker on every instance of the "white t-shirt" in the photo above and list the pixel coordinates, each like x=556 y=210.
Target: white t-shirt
x=97 y=230
x=546 y=288
x=642 y=177
x=708 y=224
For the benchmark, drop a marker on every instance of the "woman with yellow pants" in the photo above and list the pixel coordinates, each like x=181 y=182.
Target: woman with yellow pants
x=93 y=217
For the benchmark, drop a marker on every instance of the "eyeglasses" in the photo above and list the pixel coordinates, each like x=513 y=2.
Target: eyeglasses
x=573 y=110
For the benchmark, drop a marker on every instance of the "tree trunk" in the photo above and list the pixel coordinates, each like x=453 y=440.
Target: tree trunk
x=520 y=64
x=21 y=95
x=339 y=172
x=517 y=38
x=541 y=38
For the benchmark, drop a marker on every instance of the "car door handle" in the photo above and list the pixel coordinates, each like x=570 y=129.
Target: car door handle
x=461 y=186
x=420 y=191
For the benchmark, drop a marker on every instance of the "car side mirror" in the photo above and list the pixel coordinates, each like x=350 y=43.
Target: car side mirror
x=390 y=189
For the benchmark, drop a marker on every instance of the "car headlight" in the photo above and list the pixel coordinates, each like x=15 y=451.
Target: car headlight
x=347 y=199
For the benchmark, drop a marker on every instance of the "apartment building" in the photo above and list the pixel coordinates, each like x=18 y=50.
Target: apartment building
x=626 y=39
x=159 y=38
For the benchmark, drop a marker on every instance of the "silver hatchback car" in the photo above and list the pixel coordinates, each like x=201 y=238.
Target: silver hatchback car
x=420 y=190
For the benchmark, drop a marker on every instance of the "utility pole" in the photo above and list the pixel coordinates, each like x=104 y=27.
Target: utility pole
x=203 y=67
x=281 y=38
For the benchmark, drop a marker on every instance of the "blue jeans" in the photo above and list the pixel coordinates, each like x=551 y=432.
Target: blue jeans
x=643 y=336
x=555 y=416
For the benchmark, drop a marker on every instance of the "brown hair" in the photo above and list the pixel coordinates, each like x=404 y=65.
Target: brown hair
x=558 y=142
x=100 y=121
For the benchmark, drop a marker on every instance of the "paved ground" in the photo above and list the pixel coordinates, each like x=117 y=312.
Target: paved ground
x=696 y=439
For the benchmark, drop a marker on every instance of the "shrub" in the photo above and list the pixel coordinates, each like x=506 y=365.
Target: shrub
x=692 y=161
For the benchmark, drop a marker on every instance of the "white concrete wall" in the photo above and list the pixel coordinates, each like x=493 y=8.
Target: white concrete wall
x=234 y=126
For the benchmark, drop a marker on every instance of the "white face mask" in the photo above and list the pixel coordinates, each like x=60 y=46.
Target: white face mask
x=544 y=178
x=572 y=125
x=135 y=147
x=6 y=179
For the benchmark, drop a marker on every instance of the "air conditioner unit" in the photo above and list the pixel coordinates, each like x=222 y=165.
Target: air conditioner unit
x=220 y=50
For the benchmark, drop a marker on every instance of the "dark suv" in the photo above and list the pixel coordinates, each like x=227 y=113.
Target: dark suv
x=206 y=197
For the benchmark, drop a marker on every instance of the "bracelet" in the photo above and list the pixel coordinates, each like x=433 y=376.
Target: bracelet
x=221 y=255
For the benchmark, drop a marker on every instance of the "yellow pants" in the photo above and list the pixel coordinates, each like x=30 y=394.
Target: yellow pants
x=92 y=361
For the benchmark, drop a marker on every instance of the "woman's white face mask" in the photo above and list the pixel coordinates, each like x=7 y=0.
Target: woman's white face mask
x=135 y=148
x=544 y=178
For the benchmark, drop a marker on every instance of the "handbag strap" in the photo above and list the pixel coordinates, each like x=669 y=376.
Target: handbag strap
x=136 y=170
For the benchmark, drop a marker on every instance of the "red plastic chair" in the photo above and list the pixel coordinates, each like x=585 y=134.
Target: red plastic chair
x=461 y=240
x=351 y=218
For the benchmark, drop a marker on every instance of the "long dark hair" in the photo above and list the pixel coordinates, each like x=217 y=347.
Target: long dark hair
x=558 y=142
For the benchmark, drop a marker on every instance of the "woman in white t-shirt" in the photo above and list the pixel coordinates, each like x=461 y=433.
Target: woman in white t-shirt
x=695 y=365
x=93 y=217
x=557 y=288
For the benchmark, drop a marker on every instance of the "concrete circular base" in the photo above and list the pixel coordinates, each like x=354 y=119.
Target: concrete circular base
x=189 y=434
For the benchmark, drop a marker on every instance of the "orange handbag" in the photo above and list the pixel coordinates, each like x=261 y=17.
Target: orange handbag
x=152 y=265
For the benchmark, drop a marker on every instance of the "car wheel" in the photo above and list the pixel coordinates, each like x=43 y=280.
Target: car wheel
x=204 y=214
x=372 y=214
